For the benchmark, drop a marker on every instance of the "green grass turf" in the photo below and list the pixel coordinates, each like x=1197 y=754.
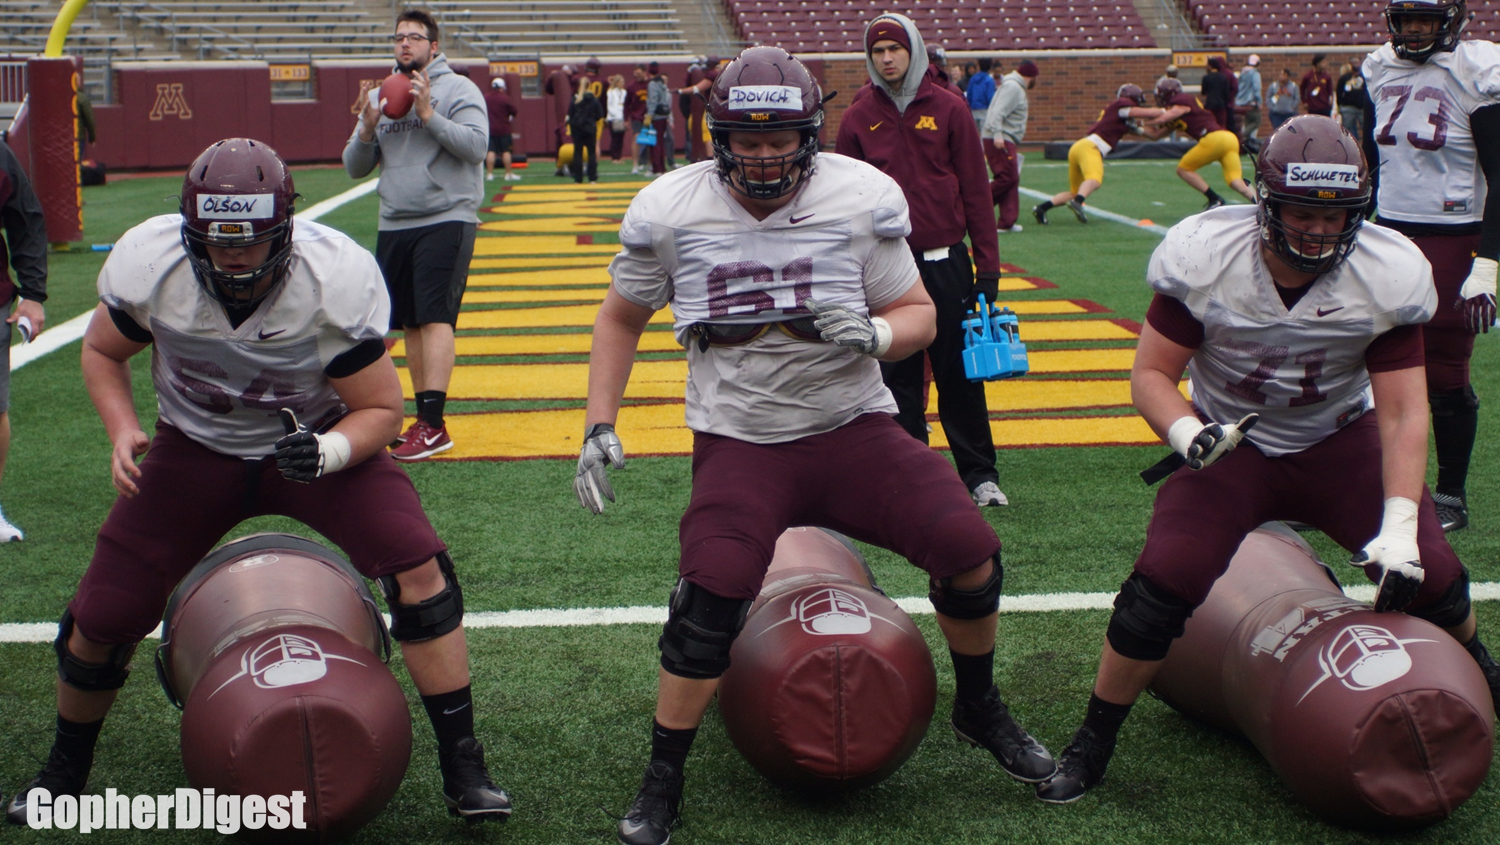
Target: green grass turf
x=564 y=711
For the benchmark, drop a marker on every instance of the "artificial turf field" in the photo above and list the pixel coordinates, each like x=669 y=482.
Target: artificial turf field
x=564 y=711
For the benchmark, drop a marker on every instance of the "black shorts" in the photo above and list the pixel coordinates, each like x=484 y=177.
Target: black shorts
x=426 y=270
x=499 y=144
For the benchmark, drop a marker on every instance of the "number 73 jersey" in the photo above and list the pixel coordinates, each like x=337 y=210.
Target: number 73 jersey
x=1429 y=168
x=1301 y=368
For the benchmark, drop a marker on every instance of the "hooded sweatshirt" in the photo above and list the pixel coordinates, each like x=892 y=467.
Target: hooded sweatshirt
x=922 y=135
x=431 y=173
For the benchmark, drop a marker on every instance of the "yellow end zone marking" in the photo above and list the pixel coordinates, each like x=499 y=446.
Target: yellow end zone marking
x=544 y=344
x=560 y=209
x=597 y=187
x=534 y=278
x=667 y=380
x=542 y=318
x=1053 y=330
x=595 y=294
x=1079 y=360
x=539 y=261
x=660 y=430
x=532 y=225
x=566 y=245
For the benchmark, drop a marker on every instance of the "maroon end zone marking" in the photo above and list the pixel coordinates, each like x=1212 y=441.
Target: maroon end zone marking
x=1041 y=283
x=1010 y=268
x=1089 y=306
x=1128 y=324
x=585 y=240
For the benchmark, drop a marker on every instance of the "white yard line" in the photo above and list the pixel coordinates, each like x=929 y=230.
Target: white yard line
x=1095 y=211
x=588 y=617
x=57 y=337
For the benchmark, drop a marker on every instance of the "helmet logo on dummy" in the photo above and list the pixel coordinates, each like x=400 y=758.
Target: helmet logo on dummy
x=236 y=207
x=831 y=612
x=252 y=562
x=1363 y=657
x=765 y=97
x=284 y=660
x=1279 y=638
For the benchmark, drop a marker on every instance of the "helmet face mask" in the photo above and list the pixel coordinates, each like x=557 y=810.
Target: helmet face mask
x=238 y=194
x=1449 y=18
x=1311 y=162
x=764 y=90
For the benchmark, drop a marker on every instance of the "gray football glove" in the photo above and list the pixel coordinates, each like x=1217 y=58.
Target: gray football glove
x=600 y=446
x=1201 y=445
x=838 y=324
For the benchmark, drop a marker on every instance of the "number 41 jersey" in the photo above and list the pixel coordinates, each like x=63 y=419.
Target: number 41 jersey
x=1429 y=167
x=688 y=243
x=219 y=384
x=1302 y=369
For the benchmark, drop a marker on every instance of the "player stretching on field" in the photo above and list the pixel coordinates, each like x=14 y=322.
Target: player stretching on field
x=1086 y=156
x=1215 y=143
x=789 y=279
x=246 y=315
x=1294 y=311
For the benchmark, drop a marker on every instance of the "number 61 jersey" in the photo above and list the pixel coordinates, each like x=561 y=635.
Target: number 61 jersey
x=1429 y=167
x=1301 y=368
x=219 y=384
x=688 y=243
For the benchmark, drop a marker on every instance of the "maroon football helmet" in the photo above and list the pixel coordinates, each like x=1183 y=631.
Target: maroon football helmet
x=1132 y=92
x=237 y=193
x=1311 y=160
x=765 y=90
x=1452 y=16
x=1166 y=89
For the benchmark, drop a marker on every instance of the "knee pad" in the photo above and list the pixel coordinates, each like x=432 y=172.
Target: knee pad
x=1450 y=609
x=1452 y=403
x=699 y=631
x=429 y=619
x=967 y=604
x=1146 y=620
x=90 y=677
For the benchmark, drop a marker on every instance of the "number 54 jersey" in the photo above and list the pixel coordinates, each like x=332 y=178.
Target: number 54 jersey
x=1429 y=167
x=1301 y=368
x=688 y=243
x=219 y=384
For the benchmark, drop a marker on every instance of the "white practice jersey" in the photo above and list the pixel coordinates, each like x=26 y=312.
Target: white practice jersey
x=1429 y=168
x=688 y=243
x=222 y=385
x=1303 y=369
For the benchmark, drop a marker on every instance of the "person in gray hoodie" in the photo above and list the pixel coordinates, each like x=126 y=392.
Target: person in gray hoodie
x=431 y=182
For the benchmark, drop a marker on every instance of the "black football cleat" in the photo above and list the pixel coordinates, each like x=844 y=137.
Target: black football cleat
x=656 y=808
x=1077 y=208
x=59 y=776
x=987 y=724
x=1489 y=667
x=1213 y=203
x=467 y=788
x=1452 y=511
x=1080 y=769
x=1040 y=214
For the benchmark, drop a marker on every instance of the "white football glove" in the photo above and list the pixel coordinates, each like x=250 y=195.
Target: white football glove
x=600 y=446
x=1392 y=558
x=838 y=324
x=303 y=456
x=1477 y=296
x=1201 y=444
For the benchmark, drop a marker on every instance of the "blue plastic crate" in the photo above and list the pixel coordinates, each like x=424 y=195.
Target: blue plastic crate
x=992 y=344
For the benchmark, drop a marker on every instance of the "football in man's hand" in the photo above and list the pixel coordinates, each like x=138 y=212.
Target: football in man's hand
x=396 y=97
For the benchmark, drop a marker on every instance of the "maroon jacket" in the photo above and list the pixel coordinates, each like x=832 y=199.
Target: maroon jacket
x=1322 y=101
x=501 y=109
x=635 y=100
x=934 y=154
x=942 y=79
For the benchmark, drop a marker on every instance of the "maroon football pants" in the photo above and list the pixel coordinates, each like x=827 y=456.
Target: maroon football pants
x=1006 y=184
x=1448 y=342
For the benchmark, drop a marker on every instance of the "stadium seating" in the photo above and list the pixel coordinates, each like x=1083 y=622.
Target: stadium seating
x=826 y=26
x=96 y=36
x=500 y=28
x=285 y=31
x=1256 y=23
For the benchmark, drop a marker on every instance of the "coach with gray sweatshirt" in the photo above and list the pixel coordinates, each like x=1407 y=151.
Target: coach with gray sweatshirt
x=431 y=183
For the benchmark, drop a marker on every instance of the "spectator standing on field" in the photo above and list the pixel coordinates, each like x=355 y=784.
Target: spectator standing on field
x=1317 y=88
x=659 y=115
x=1352 y=99
x=614 y=114
x=914 y=132
x=1248 y=102
x=1004 y=127
x=980 y=91
x=635 y=112
x=583 y=119
x=502 y=111
x=25 y=245
x=426 y=237
x=1215 y=91
x=1282 y=99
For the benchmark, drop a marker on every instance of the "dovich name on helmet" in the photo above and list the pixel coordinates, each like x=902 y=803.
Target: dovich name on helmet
x=765 y=90
x=238 y=194
x=1311 y=161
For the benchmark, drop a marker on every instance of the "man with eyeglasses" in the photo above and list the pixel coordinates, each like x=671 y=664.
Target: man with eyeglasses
x=426 y=236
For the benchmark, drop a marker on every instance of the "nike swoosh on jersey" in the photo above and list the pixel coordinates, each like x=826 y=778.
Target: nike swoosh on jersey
x=876 y=126
x=1322 y=313
x=265 y=334
x=795 y=220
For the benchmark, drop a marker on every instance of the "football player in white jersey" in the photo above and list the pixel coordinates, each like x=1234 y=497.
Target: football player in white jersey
x=1286 y=315
x=789 y=280
x=1433 y=124
x=250 y=320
